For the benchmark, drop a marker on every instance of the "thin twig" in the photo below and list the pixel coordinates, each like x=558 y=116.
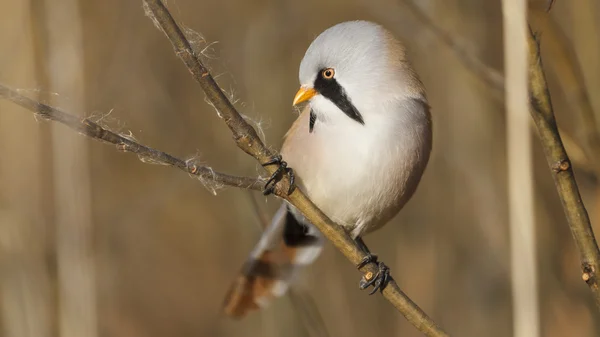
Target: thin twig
x=247 y=139
x=308 y=311
x=260 y=213
x=124 y=144
x=562 y=172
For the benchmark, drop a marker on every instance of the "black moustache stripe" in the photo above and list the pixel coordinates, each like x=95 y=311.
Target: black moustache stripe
x=313 y=119
x=332 y=90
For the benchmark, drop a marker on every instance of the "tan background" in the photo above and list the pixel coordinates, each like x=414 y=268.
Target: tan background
x=165 y=249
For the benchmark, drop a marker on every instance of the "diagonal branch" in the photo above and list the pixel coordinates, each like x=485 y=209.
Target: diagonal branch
x=579 y=222
x=247 y=139
x=125 y=144
x=569 y=71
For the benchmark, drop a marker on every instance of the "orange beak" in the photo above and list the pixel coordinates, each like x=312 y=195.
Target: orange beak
x=304 y=94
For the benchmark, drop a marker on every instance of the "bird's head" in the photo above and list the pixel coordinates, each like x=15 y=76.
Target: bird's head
x=351 y=69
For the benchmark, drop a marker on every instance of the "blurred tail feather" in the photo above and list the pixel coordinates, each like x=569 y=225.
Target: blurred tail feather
x=285 y=246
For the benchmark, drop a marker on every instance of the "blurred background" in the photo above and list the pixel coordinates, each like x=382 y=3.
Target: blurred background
x=95 y=243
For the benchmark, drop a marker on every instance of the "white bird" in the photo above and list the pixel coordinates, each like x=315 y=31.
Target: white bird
x=358 y=150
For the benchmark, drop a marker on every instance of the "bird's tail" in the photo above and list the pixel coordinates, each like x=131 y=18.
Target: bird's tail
x=286 y=246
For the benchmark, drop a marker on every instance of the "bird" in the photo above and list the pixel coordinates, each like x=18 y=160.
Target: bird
x=358 y=149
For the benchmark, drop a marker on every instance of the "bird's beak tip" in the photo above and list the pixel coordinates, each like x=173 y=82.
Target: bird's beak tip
x=304 y=94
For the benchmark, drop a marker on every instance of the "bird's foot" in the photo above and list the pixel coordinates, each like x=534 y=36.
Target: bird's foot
x=278 y=174
x=368 y=259
x=379 y=280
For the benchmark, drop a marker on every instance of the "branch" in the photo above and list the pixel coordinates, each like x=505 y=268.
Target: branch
x=247 y=140
x=568 y=70
x=124 y=144
x=579 y=222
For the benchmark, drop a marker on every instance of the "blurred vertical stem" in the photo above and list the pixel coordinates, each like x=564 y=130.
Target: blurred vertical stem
x=71 y=174
x=562 y=172
x=520 y=172
x=26 y=292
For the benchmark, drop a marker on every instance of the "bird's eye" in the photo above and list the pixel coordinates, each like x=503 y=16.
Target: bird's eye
x=328 y=73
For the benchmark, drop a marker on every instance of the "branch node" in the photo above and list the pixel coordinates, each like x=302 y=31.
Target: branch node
x=192 y=168
x=43 y=113
x=122 y=147
x=561 y=165
x=180 y=52
x=589 y=274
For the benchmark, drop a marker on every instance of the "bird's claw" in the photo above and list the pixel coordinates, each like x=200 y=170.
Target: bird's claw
x=277 y=175
x=379 y=280
x=367 y=259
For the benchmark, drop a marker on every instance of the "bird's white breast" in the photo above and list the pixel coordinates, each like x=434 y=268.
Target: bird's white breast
x=361 y=175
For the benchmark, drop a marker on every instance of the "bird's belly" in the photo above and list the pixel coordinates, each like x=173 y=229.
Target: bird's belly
x=356 y=183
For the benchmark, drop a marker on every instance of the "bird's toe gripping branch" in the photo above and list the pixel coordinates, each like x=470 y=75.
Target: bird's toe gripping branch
x=278 y=174
x=379 y=280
